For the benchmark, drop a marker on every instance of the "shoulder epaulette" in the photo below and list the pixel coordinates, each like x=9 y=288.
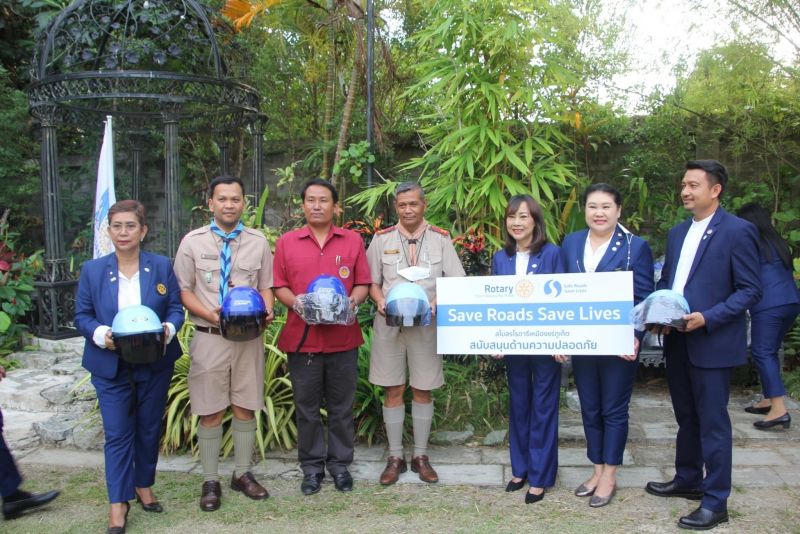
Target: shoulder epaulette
x=386 y=230
x=440 y=231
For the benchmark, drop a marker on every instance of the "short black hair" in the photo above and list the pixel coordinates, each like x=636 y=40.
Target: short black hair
x=323 y=183
x=603 y=188
x=715 y=171
x=224 y=179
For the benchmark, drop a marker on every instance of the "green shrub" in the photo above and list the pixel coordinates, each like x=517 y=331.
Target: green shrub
x=17 y=273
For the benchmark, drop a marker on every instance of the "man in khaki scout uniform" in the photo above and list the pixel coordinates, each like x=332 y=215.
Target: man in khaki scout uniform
x=411 y=251
x=209 y=261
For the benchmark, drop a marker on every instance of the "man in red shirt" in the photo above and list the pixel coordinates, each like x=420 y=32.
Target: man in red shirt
x=323 y=358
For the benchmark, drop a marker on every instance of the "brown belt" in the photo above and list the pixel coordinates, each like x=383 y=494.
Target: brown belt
x=208 y=330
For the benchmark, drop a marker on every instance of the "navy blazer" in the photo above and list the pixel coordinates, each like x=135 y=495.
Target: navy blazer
x=96 y=305
x=723 y=282
x=626 y=252
x=777 y=284
x=546 y=261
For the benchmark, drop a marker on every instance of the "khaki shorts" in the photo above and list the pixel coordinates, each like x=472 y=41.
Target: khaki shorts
x=225 y=372
x=396 y=348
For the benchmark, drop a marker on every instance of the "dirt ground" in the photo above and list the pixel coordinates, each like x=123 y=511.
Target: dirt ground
x=399 y=509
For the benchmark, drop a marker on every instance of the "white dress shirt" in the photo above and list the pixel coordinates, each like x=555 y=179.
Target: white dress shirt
x=688 y=251
x=522 y=263
x=129 y=294
x=591 y=258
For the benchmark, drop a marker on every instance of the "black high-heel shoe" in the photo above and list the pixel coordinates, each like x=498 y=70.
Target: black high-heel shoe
x=121 y=530
x=785 y=420
x=154 y=506
x=515 y=486
x=757 y=410
x=531 y=498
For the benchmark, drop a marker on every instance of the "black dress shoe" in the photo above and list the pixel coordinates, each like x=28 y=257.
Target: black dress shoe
x=154 y=507
x=671 y=489
x=515 y=486
x=785 y=420
x=121 y=530
x=757 y=410
x=703 y=519
x=531 y=498
x=312 y=483
x=343 y=481
x=23 y=501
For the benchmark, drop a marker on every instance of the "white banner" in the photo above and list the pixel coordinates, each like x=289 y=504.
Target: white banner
x=104 y=196
x=575 y=314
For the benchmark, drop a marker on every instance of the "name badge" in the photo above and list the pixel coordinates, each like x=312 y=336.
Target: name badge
x=209 y=257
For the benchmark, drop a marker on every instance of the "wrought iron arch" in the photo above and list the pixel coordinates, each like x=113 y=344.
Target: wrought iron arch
x=148 y=63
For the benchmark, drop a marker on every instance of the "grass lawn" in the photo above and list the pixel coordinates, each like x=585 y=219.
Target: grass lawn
x=371 y=508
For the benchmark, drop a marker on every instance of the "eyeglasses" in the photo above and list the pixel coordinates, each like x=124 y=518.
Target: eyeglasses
x=118 y=227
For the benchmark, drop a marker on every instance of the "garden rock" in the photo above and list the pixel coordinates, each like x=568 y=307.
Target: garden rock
x=68 y=366
x=573 y=401
x=37 y=359
x=496 y=437
x=451 y=437
x=57 y=429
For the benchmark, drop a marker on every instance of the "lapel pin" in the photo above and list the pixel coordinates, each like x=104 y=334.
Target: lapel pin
x=535 y=265
x=618 y=243
x=162 y=289
x=147 y=269
x=614 y=249
x=114 y=279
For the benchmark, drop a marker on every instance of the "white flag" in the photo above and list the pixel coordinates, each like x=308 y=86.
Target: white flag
x=104 y=196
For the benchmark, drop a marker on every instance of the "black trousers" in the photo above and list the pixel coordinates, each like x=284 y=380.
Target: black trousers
x=10 y=478
x=330 y=377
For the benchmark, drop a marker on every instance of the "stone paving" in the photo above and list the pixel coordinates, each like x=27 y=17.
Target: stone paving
x=761 y=459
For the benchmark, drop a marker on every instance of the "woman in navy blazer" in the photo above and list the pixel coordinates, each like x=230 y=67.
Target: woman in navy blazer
x=605 y=383
x=772 y=317
x=534 y=382
x=131 y=397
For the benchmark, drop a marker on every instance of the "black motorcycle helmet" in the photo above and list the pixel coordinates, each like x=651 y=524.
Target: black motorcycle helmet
x=138 y=335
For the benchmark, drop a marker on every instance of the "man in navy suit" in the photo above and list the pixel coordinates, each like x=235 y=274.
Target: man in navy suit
x=15 y=500
x=712 y=259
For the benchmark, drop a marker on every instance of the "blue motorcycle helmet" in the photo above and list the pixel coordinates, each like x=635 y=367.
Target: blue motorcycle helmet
x=326 y=302
x=241 y=317
x=138 y=335
x=407 y=305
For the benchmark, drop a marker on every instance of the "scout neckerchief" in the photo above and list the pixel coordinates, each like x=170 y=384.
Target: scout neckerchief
x=225 y=256
x=413 y=240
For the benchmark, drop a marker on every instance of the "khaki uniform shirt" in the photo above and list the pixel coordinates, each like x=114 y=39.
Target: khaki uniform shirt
x=198 y=270
x=388 y=252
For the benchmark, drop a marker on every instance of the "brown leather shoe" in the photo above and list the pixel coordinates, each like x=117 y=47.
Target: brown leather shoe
x=394 y=466
x=247 y=484
x=421 y=465
x=210 y=497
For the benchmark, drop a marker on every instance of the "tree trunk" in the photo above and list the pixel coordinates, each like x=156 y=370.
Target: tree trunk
x=330 y=95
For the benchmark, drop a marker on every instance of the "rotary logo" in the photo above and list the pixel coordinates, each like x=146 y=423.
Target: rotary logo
x=524 y=288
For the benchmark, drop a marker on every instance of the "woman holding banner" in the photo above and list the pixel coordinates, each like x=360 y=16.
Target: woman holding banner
x=605 y=383
x=533 y=381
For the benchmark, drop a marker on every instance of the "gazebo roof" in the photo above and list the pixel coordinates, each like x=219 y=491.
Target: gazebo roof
x=136 y=59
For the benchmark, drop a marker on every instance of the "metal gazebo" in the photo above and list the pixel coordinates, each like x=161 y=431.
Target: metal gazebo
x=148 y=63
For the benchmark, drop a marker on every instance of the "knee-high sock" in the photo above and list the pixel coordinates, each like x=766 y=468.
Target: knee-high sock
x=209 y=439
x=421 y=416
x=394 y=419
x=244 y=437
